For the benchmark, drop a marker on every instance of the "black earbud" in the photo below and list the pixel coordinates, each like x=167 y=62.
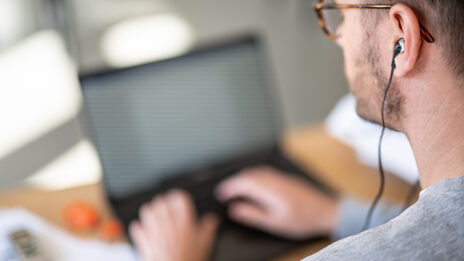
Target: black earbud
x=399 y=48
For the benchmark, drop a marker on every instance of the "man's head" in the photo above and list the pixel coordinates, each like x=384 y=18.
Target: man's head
x=368 y=36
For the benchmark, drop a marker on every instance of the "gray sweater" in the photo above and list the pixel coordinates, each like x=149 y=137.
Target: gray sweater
x=431 y=229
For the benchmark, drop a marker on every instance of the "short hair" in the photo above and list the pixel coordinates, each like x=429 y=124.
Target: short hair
x=445 y=21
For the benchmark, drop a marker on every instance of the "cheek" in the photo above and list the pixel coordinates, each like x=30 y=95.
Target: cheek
x=352 y=44
x=353 y=64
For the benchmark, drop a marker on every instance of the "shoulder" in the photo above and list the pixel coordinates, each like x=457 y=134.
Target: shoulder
x=431 y=229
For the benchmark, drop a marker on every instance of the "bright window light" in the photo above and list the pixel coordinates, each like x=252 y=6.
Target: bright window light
x=145 y=39
x=39 y=90
x=76 y=167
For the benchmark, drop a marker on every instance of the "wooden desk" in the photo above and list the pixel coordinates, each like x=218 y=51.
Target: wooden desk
x=311 y=147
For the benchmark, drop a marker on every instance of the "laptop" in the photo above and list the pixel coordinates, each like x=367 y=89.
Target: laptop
x=191 y=122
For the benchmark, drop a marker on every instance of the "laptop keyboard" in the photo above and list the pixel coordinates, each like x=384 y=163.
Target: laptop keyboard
x=201 y=183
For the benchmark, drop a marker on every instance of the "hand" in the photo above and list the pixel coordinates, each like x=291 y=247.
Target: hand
x=168 y=230
x=278 y=203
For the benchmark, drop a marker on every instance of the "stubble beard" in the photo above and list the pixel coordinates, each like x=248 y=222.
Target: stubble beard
x=370 y=83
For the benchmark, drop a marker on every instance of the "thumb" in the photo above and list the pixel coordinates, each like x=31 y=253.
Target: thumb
x=207 y=231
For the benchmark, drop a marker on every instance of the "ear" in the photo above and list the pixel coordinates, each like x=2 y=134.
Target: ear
x=406 y=25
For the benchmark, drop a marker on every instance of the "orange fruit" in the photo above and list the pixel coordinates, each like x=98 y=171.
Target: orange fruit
x=81 y=215
x=111 y=230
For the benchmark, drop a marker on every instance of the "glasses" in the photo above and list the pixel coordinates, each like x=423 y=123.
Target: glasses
x=330 y=17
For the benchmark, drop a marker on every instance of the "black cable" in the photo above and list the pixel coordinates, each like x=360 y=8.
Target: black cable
x=382 y=174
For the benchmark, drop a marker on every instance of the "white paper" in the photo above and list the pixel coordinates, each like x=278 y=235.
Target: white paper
x=57 y=244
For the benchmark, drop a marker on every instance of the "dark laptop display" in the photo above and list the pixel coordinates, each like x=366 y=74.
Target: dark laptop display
x=189 y=122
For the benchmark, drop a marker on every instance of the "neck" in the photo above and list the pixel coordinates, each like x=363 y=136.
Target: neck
x=436 y=132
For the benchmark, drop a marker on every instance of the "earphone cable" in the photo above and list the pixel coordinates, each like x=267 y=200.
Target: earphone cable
x=382 y=174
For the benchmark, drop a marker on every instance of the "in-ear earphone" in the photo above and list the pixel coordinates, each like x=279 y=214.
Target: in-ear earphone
x=398 y=48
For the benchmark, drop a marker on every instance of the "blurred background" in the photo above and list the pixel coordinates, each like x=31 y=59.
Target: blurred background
x=46 y=44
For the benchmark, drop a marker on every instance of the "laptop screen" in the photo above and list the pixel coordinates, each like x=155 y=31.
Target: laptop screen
x=154 y=120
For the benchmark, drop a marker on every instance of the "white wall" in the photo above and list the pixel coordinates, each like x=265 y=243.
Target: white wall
x=308 y=66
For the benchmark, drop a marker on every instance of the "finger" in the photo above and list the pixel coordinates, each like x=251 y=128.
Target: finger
x=147 y=217
x=249 y=214
x=252 y=184
x=208 y=227
x=181 y=205
x=141 y=241
x=161 y=213
x=207 y=231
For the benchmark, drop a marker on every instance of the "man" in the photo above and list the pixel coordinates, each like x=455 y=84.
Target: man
x=425 y=101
